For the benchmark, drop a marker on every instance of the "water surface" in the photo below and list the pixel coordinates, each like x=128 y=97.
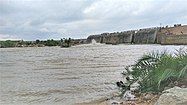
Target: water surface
x=54 y=75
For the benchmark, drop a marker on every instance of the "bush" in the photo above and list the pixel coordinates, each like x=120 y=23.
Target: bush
x=7 y=43
x=52 y=43
x=155 y=71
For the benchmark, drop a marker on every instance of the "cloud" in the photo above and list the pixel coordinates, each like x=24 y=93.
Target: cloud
x=45 y=19
x=44 y=30
x=8 y=37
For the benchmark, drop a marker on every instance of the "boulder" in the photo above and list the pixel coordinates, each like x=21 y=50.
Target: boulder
x=173 y=96
x=128 y=96
x=148 y=96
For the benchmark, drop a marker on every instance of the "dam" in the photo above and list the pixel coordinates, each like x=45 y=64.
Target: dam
x=156 y=35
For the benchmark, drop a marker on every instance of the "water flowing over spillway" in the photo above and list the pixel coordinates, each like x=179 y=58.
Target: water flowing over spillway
x=93 y=41
x=54 y=75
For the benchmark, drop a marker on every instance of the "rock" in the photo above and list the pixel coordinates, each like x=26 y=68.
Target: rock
x=176 y=83
x=128 y=96
x=115 y=102
x=166 y=88
x=173 y=96
x=148 y=96
x=183 y=86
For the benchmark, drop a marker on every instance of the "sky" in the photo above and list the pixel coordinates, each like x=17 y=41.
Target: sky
x=55 y=19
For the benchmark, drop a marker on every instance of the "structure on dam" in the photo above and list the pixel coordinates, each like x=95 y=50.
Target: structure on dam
x=142 y=36
x=155 y=35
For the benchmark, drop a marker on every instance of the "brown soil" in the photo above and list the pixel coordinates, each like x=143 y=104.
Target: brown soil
x=140 y=101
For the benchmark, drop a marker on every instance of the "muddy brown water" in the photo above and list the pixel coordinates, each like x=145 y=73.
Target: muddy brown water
x=65 y=76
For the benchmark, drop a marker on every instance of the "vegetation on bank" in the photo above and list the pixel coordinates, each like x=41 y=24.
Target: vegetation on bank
x=66 y=42
x=38 y=43
x=156 y=71
x=7 y=43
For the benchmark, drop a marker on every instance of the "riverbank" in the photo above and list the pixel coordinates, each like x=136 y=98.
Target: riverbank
x=41 y=43
x=172 y=96
x=144 y=99
x=154 y=75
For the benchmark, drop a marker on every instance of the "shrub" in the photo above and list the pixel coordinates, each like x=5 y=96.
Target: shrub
x=7 y=43
x=155 y=71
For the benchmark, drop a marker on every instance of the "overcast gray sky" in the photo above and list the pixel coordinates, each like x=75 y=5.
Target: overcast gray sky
x=46 y=19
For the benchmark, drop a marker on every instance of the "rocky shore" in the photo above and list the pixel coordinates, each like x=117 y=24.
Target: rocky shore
x=172 y=96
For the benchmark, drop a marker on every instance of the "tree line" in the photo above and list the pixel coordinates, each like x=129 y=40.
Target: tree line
x=65 y=42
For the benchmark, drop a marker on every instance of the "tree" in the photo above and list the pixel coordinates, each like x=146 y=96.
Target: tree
x=37 y=41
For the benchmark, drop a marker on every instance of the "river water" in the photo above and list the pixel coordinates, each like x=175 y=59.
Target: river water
x=54 y=75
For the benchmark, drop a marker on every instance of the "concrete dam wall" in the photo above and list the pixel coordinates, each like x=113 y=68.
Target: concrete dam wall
x=117 y=38
x=173 y=35
x=161 y=35
x=143 y=36
x=174 y=39
x=97 y=38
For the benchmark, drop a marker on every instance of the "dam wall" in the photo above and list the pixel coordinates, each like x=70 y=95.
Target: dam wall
x=111 y=38
x=172 y=35
x=97 y=38
x=174 y=39
x=117 y=38
x=143 y=36
x=155 y=35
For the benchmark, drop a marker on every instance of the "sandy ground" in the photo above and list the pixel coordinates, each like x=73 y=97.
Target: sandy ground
x=139 y=101
x=106 y=103
x=101 y=103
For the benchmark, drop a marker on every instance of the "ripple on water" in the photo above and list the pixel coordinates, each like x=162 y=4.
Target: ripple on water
x=53 y=75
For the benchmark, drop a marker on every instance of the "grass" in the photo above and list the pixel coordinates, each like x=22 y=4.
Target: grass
x=155 y=71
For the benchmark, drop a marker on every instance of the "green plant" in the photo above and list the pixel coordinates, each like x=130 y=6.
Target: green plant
x=155 y=71
x=66 y=42
x=7 y=43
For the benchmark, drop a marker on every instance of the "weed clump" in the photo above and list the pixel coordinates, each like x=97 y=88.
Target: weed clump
x=156 y=71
